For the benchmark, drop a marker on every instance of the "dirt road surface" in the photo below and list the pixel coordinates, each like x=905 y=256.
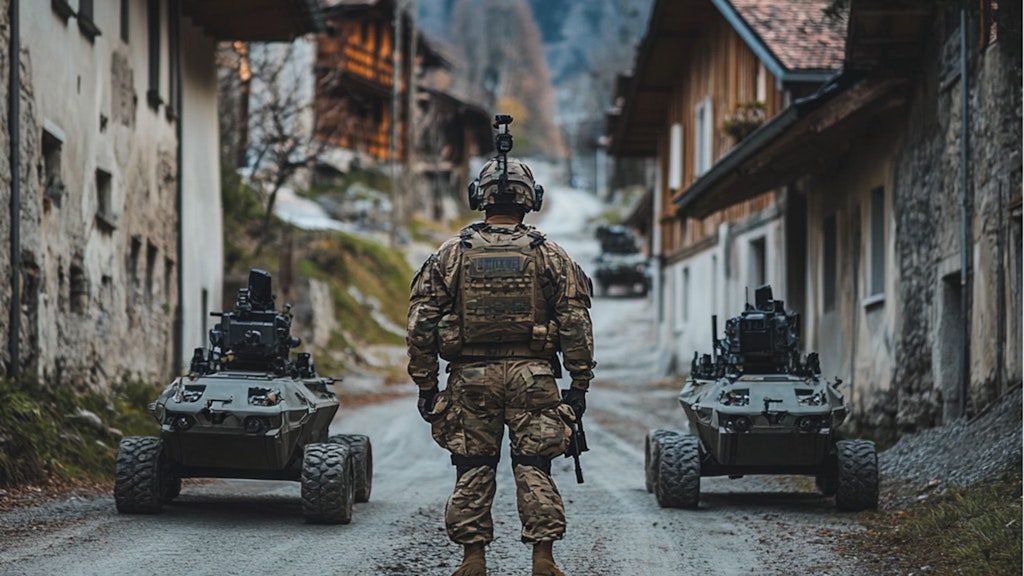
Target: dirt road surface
x=762 y=525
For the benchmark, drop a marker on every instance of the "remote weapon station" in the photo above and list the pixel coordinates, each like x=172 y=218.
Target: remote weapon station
x=248 y=410
x=754 y=406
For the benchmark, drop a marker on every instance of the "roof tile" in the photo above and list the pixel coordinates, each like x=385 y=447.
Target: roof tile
x=796 y=31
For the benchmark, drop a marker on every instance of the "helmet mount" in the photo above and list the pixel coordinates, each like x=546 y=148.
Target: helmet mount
x=503 y=180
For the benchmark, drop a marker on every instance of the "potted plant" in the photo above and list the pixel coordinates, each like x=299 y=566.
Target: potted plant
x=748 y=117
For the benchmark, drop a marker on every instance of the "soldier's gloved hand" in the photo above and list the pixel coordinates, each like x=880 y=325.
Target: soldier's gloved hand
x=576 y=399
x=426 y=401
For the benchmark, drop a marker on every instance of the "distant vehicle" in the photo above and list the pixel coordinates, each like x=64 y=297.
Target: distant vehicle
x=247 y=410
x=621 y=263
x=756 y=407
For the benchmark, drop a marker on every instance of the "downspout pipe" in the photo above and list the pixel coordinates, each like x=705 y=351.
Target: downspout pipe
x=14 y=137
x=179 y=190
x=965 y=245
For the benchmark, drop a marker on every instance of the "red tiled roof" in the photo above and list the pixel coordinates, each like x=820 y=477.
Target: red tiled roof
x=796 y=32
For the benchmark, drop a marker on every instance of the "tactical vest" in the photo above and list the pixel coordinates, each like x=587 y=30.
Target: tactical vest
x=501 y=303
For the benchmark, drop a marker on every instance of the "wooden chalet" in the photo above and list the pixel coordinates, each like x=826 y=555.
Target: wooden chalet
x=707 y=74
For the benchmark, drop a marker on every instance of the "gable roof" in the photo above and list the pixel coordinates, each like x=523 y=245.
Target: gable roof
x=792 y=37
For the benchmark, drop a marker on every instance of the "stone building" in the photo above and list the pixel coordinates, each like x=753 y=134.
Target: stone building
x=110 y=182
x=906 y=169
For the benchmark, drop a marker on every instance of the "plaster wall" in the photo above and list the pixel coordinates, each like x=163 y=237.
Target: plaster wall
x=99 y=228
x=202 y=218
x=714 y=281
x=853 y=337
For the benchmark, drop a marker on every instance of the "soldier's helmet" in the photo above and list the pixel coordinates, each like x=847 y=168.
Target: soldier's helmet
x=521 y=187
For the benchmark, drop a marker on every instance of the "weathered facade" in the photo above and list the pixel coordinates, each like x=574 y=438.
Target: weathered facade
x=118 y=216
x=911 y=272
x=708 y=73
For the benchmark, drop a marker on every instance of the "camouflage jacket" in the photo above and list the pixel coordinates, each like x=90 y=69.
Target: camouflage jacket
x=433 y=296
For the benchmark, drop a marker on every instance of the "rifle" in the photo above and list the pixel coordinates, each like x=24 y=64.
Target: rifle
x=577 y=444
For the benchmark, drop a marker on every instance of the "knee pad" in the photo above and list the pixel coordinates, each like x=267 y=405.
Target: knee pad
x=464 y=464
x=539 y=462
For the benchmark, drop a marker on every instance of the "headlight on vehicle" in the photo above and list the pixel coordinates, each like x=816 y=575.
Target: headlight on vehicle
x=737 y=423
x=254 y=425
x=180 y=422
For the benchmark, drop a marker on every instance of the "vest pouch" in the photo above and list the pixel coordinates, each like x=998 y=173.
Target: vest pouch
x=449 y=337
x=446 y=423
x=545 y=338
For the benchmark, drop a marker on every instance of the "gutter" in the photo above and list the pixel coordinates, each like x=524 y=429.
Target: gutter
x=965 y=221
x=14 y=137
x=762 y=137
x=179 y=191
x=763 y=53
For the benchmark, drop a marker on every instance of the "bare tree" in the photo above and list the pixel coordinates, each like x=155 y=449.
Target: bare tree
x=275 y=86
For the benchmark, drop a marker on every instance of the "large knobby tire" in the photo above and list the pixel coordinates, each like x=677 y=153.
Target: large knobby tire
x=857 y=478
x=362 y=457
x=678 y=481
x=139 y=483
x=328 y=484
x=652 y=454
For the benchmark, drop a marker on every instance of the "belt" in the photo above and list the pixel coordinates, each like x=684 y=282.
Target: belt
x=476 y=352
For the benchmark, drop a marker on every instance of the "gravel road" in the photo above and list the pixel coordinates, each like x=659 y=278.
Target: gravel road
x=751 y=525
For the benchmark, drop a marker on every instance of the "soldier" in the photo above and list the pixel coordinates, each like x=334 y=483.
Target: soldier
x=498 y=302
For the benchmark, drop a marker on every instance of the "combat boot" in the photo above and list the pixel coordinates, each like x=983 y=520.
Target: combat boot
x=473 y=563
x=543 y=562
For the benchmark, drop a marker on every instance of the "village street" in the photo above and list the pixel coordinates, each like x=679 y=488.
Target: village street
x=761 y=525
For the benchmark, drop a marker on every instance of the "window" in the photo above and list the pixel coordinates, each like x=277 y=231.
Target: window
x=153 y=93
x=205 y=314
x=151 y=254
x=877 y=255
x=828 y=263
x=680 y=289
x=686 y=294
x=173 y=48
x=133 y=268
x=758 y=267
x=714 y=284
x=50 y=171
x=761 y=83
x=85 y=20
x=703 y=136
x=79 y=289
x=168 y=284
x=104 y=208
x=124 y=21
x=675 y=157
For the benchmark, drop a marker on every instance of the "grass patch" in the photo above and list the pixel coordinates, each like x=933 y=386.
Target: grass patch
x=344 y=260
x=43 y=434
x=974 y=531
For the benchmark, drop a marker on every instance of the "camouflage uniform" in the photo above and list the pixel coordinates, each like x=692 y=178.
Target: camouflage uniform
x=509 y=381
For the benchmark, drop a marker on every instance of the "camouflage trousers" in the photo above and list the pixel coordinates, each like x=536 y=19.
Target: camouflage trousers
x=469 y=420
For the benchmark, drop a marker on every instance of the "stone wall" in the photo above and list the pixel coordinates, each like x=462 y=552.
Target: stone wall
x=98 y=222
x=928 y=231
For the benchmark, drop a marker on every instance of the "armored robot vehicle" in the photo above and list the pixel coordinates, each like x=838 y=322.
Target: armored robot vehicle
x=754 y=406
x=248 y=410
x=620 y=262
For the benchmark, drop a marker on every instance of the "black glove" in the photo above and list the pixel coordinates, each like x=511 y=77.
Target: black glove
x=426 y=402
x=576 y=399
